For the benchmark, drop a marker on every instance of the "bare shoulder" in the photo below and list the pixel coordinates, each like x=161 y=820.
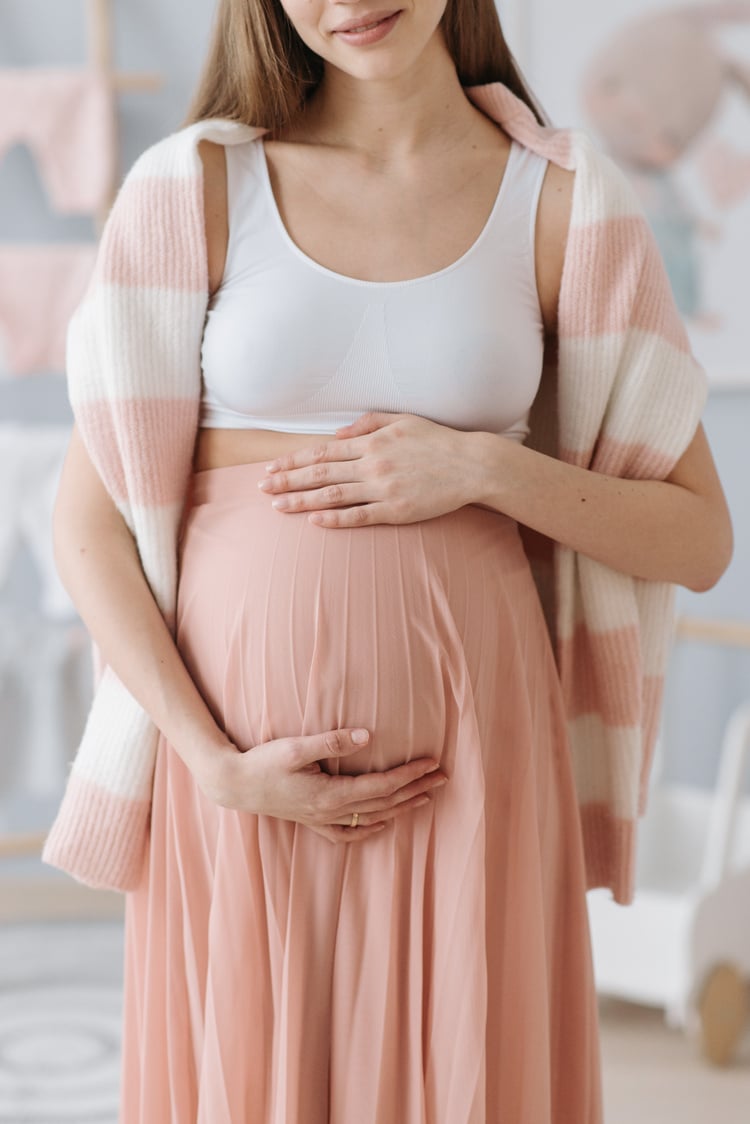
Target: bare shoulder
x=553 y=220
x=215 y=204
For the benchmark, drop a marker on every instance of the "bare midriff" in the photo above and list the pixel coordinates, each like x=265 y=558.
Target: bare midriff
x=218 y=448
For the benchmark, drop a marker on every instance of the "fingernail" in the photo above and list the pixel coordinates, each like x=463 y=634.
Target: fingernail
x=422 y=800
x=360 y=736
x=441 y=780
x=272 y=466
x=266 y=485
x=281 y=502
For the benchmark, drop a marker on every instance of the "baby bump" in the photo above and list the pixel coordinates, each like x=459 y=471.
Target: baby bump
x=288 y=628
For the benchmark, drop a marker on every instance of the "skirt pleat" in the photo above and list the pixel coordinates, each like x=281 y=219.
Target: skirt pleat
x=437 y=973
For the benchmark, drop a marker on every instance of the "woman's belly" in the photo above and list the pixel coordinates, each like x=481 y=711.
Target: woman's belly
x=219 y=448
x=408 y=630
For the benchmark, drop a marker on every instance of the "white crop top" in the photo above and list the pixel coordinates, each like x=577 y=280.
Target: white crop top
x=290 y=345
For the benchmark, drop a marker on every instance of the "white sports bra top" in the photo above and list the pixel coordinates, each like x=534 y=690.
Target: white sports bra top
x=290 y=345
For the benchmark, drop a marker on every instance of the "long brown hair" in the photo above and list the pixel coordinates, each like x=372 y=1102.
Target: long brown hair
x=260 y=72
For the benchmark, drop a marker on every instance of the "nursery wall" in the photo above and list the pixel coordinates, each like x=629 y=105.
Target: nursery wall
x=169 y=36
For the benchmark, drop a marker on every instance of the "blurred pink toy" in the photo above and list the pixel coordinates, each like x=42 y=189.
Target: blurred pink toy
x=652 y=92
x=66 y=118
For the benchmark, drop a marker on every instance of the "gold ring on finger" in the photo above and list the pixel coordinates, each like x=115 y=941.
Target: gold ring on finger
x=355 y=819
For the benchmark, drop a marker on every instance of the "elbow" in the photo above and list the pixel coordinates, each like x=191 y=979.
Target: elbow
x=716 y=560
x=87 y=534
x=86 y=525
x=62 y=548
x=704 y=581
x=70 y=534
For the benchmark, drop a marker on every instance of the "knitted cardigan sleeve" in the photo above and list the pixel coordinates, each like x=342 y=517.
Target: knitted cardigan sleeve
x=134 y=385
x=629 y=399
x=623 y=396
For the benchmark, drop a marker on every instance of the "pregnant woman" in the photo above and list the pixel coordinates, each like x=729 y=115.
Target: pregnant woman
x=353 y=329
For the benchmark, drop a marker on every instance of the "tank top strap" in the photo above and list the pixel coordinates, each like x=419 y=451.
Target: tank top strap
x=243 y=174
x=248 y=211
x=513 y=221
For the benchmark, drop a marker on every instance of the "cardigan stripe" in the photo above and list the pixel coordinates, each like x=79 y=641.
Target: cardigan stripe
x=652 y=365
x=624 y=396
x=599 y=691
x=615 y=248
x=612 y=779
x=118 y=824
x=149 y=363
x=145 y=427
x=161 y=207
x=609 y=843
x=648 y=463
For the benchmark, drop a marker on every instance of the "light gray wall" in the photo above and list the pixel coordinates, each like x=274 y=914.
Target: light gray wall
x=170 y=36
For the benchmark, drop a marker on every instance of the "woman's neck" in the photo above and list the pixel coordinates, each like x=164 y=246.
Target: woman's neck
x=388 y=120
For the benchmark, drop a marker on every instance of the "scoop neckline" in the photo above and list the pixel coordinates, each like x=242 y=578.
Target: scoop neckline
x=344 y=277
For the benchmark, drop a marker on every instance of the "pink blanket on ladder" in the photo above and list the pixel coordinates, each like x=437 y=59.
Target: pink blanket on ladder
x=66 y=118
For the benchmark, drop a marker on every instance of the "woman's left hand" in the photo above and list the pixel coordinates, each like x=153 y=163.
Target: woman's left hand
x=384 y=468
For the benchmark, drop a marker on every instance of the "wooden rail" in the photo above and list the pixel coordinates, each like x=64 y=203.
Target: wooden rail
x=101 y=57
x=703 y=630
x=17 y=846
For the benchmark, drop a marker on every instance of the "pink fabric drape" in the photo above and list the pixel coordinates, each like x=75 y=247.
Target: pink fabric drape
x=40 y=287
x=66 y=118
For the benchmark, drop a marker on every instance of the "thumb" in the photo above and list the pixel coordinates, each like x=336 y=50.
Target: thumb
x=333 y=743
x=367 y=423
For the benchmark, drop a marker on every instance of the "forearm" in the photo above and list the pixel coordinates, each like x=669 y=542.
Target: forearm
x=651 y=529
x=101 y=570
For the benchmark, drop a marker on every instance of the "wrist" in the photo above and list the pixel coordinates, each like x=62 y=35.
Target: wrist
x=486 y=456
x=212 y=765
x=206 y=754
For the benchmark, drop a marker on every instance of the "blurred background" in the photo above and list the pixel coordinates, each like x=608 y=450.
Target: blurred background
x=85 y=86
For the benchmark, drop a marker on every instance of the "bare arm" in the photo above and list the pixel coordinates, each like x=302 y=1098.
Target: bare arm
x=98 y=563
x=676 y=530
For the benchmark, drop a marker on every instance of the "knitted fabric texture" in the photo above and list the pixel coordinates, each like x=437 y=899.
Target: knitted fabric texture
x=623 y=396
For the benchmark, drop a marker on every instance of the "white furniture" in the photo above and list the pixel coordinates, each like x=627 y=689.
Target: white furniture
x=684 y=943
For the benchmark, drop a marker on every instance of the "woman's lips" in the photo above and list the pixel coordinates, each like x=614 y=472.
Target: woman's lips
x=371 y=32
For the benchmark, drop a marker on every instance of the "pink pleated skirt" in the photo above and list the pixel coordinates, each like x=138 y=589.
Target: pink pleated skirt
x=439 y=972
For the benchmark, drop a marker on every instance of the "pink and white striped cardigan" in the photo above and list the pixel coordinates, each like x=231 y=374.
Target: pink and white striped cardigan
x=626 y=400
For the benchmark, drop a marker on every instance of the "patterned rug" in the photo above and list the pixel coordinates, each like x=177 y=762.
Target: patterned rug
x=60 y=1010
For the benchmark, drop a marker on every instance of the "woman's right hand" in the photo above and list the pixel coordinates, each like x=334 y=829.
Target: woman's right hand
x=284 y=778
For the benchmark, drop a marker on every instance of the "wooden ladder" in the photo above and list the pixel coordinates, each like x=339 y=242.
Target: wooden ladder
x=101 y=58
